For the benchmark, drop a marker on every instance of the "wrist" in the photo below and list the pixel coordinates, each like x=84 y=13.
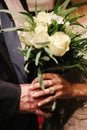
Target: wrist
x=74 y=90
x=79 y=90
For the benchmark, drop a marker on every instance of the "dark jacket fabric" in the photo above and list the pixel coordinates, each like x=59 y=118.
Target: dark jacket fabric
x=11 y=74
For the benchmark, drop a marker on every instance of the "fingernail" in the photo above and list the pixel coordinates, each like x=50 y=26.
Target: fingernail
x=39 y=104
x=31 y=86
x=35 y=95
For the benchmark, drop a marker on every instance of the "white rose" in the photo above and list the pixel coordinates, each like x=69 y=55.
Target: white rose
x=40 y=26
x=26 y=37
x=59 y=43
x=67 y=24
x=26 y=24
x=58 y=18
x=39 y=38
x=48 y=17
x=42 y=17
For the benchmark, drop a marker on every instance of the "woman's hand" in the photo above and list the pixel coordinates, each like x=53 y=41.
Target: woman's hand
x=55 y=87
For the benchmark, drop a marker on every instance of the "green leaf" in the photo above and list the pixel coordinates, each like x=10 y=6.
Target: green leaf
x=53 y=27
x=74 y=18
x=54 y=59
x=67 y=12
x=37 y=58
x=28 y=15
x=61 y=9
x=30 y=19
x=36 y=11
x=7 y=11
x=64 y=5
x=56 y=6
x=26 y=68
x=40 y=79
x=47 y=50
x=63 y=68
x=64 y=13
x=45 y=58
x=10 y=29
x=28 y=53
x=42 y=43
x=79 y=4
x=23 y=51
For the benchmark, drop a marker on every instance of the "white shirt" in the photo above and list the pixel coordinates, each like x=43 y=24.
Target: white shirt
x=15 y=6
x=42 y=4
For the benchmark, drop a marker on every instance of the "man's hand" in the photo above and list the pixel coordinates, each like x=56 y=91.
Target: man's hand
x=28 y=103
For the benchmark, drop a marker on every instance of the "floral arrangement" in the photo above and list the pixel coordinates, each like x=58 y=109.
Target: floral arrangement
x=53 y=36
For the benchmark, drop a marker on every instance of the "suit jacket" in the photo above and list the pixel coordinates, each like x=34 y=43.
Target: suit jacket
x=11 y=74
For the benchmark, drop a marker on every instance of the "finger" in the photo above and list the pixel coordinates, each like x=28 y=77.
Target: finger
x=45 y=92
x=35 y=80
x=46 y=101
x=41 y=113
x=47 y=83
x=49 y=99
x=40 y=93
x=47 y=76
x=48 y=91
x=52 y=77
x=34 y=86
x=49 y=105
x=49 y=80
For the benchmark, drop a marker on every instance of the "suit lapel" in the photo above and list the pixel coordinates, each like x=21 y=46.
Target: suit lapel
x=12 y=44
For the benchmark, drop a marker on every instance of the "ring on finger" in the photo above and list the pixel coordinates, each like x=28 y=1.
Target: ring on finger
x=51 y=90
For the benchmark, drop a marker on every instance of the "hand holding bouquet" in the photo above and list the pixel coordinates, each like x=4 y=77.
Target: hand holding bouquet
x=52 y=36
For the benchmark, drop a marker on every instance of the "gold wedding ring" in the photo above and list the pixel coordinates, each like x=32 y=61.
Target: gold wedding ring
x=51 y=90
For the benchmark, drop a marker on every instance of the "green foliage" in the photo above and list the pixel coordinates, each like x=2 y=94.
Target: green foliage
x=40 y=79
x=29 y=19
x=62 y=11
x=74 y=58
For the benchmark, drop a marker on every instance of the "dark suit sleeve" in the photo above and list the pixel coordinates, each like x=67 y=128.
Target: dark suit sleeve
x=9 y=99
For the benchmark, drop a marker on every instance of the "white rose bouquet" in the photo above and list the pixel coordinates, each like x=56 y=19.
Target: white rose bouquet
x=52 y=36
